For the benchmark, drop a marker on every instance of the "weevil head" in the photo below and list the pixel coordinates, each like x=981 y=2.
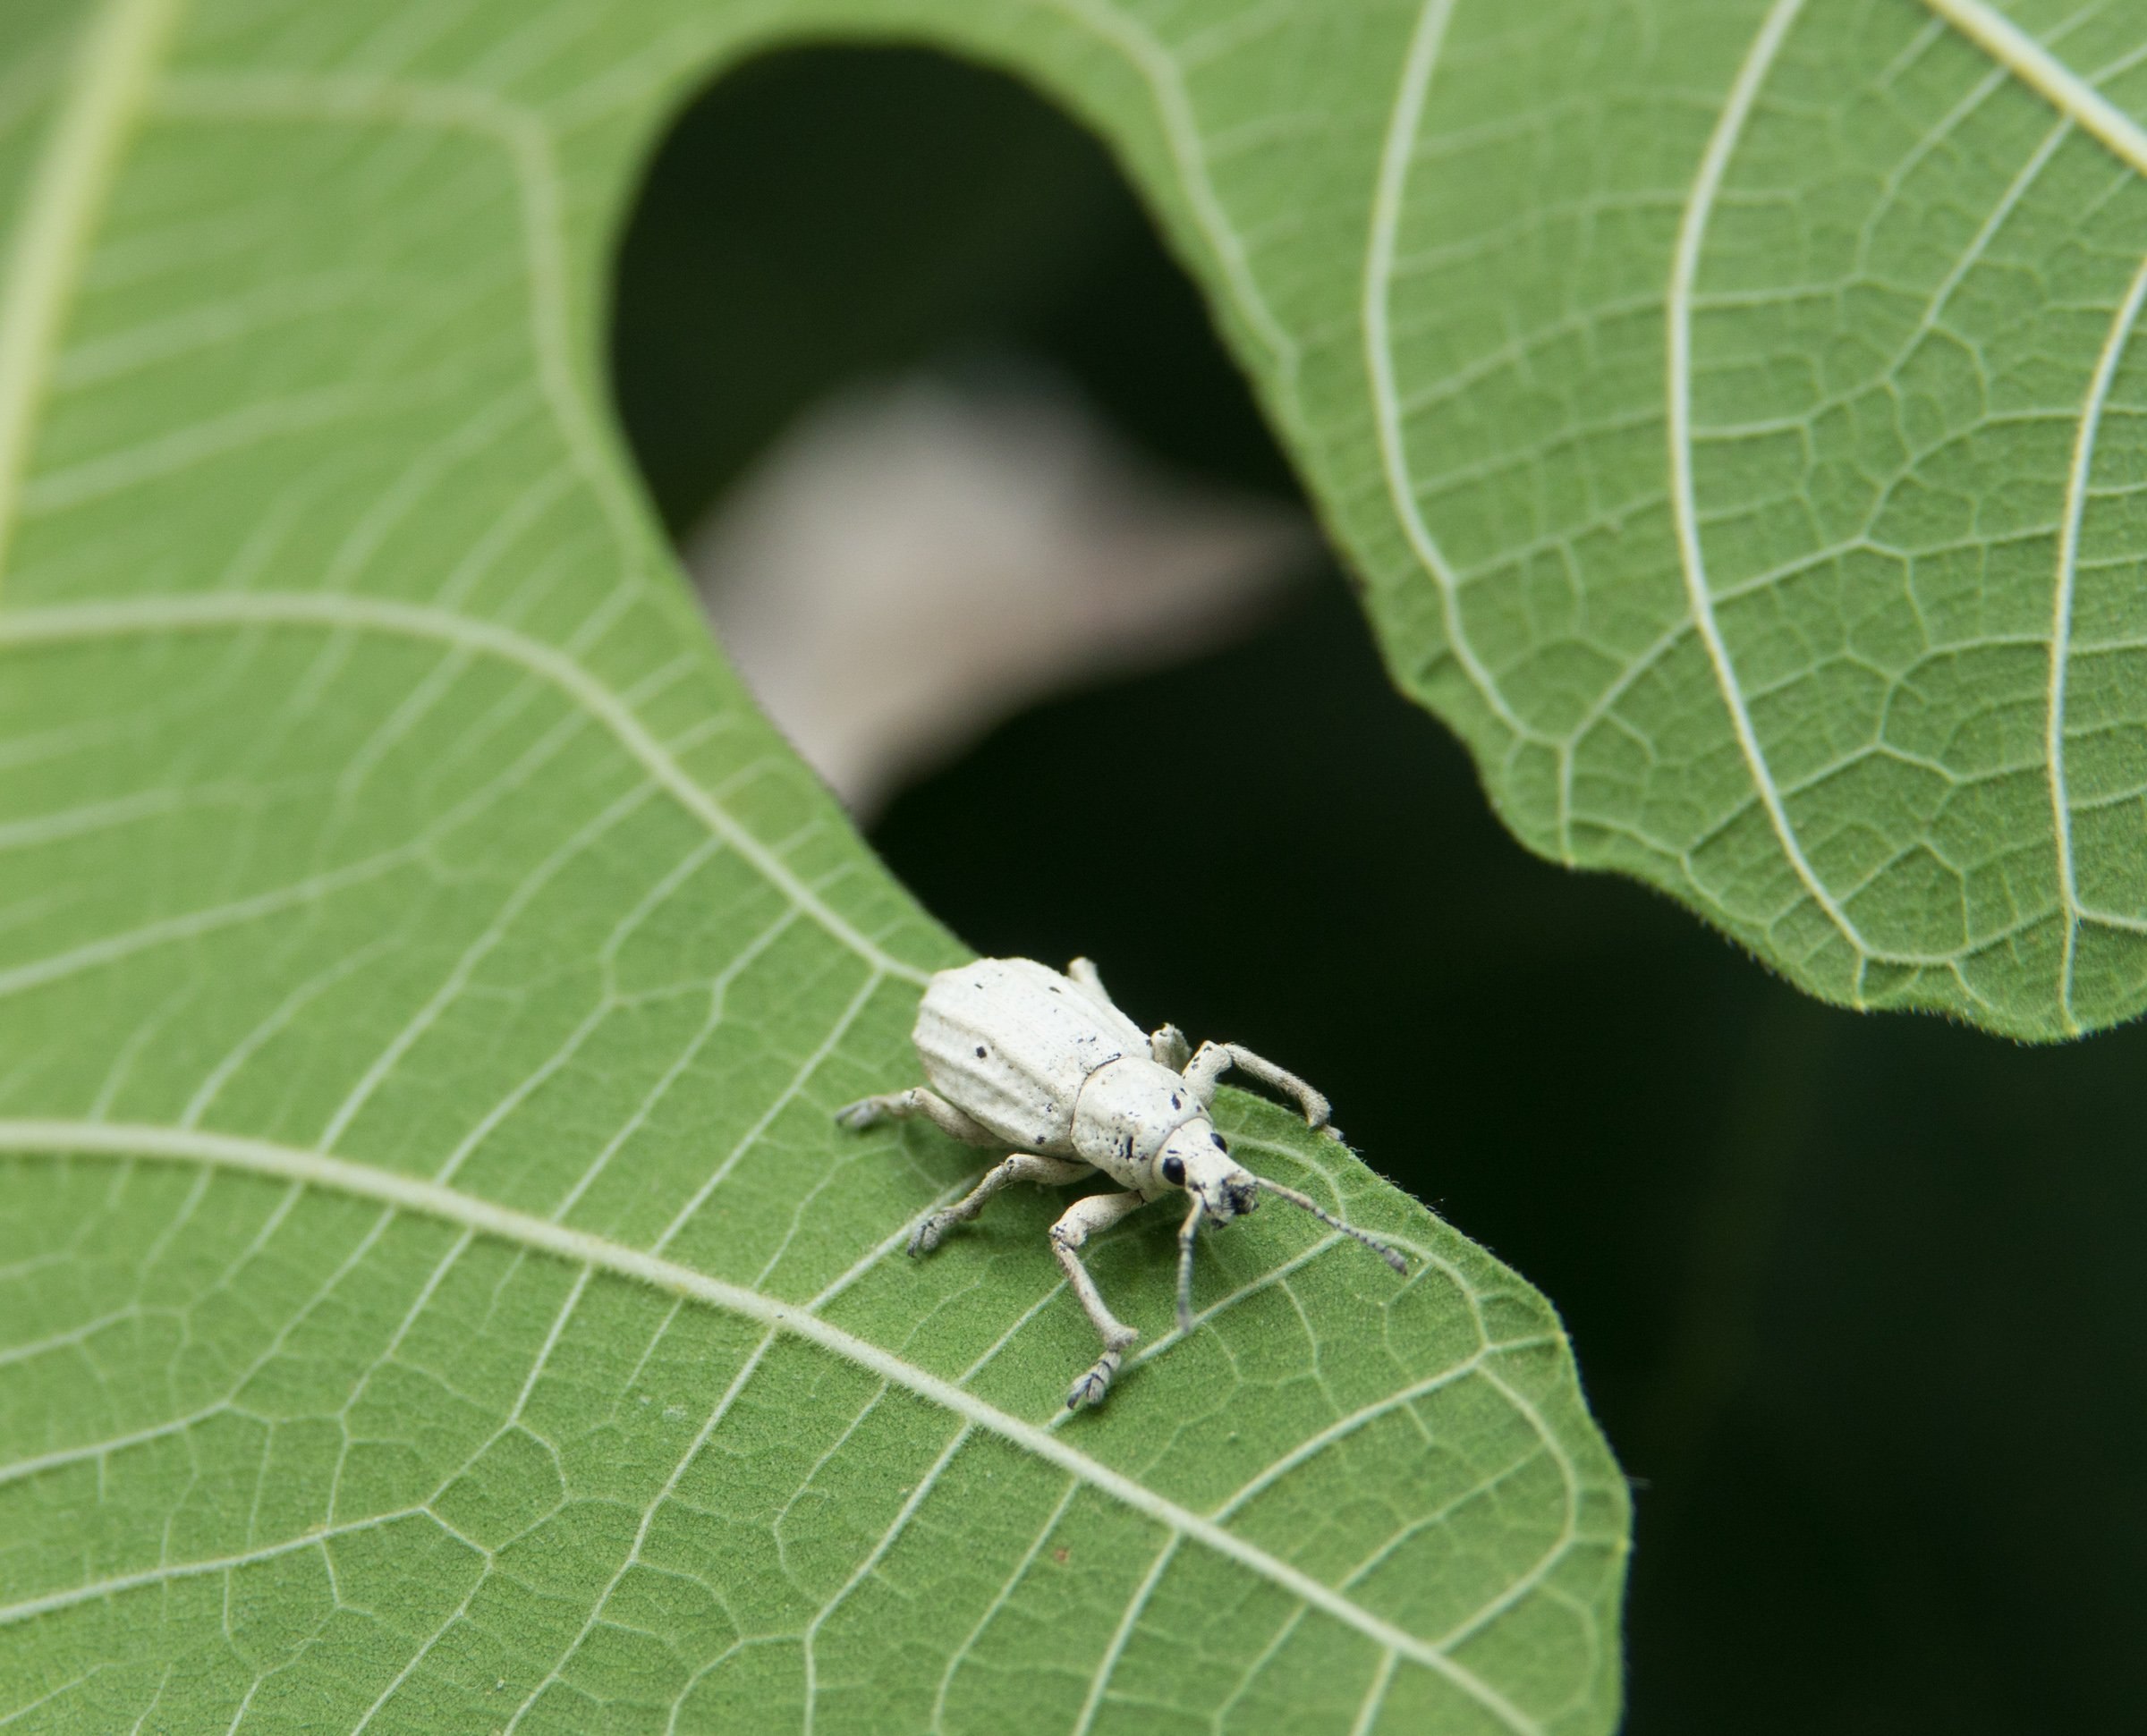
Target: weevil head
x=1195 y=1158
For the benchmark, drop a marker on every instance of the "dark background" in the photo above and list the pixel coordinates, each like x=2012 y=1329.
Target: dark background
x=1859 y=1301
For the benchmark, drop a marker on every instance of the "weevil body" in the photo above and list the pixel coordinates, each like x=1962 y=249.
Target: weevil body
x=1046 y=1066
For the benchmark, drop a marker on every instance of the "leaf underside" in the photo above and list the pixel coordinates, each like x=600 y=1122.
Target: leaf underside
x=424 y=981
x=433 y=1294
x=1744 y=437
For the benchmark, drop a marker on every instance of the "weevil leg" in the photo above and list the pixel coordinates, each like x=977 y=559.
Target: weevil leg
x=1083 y=1219
x=905 y=1106
x=1168 y=1044
x=1205 y=1069
x=1215 y=1059
x=1023 y=1166
x=1083 y=975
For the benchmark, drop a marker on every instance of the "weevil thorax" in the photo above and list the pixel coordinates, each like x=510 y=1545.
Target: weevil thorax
x=1125 y=1113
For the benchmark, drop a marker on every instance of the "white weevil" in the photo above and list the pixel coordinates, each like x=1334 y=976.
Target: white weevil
x=1018 y=1057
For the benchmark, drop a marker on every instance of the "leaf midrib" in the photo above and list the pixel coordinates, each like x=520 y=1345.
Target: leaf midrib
x=419 y=1197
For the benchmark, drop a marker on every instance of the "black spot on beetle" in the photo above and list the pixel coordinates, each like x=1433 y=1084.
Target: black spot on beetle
x=980 y=1051
x=1126 y=1150
x=1173 y=1100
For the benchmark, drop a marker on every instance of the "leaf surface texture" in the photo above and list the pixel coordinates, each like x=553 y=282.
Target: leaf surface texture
x=433 y=1294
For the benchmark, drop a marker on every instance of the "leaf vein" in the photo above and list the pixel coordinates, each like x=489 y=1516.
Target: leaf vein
x=2061 y=621
x=1388 y=199
x=411 y=1194
x=2049 y=77
x=1729 y=126
x=117 y=60
x=61 y=624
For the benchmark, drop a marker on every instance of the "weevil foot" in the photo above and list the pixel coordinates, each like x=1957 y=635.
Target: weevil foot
x=859 y=1115
x=1090 y=1388
x=930 y=1232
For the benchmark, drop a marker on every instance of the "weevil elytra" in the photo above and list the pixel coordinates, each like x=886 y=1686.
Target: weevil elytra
x=1046 y=1068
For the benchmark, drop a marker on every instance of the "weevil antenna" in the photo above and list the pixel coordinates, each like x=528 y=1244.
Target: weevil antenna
x=1186 y=1231
x=1393 y=1256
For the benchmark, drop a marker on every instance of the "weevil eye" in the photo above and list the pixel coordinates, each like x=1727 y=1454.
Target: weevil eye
x=1174 y=1172
x=1220 y=1145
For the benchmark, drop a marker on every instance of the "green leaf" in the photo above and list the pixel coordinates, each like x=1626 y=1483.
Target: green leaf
x=1737 y=417
x=433 y=1294
x=1731 y=408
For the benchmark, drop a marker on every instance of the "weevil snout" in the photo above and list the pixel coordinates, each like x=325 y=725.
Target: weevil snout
x=1226 y=1197
x=1235 y=1196
x=1195 y=1158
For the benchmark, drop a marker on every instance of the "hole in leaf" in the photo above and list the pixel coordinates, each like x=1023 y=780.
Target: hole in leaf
x=939 y=425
